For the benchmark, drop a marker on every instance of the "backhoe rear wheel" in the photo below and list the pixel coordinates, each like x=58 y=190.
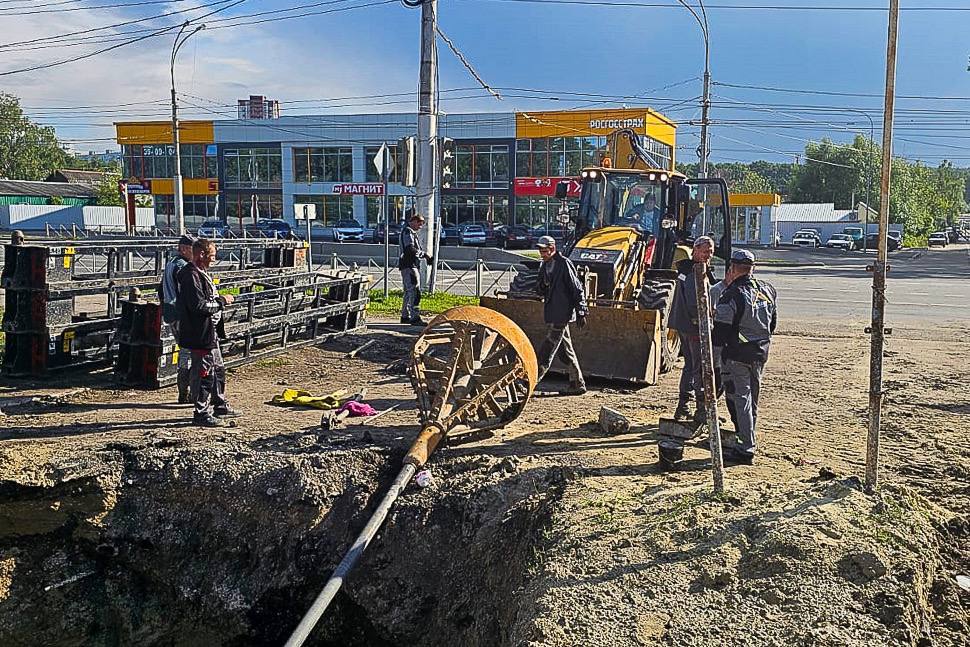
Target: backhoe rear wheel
x=659 y=295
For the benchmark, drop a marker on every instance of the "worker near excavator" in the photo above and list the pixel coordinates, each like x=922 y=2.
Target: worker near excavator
x=168 y=294
x=684 y=319
x=408 y=263
x=744 y=321
x=565 y=302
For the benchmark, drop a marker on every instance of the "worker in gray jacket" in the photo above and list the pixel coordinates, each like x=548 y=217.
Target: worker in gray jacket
x=745 y=319
x=408 y=263
x=683 y=319
x=565 y=302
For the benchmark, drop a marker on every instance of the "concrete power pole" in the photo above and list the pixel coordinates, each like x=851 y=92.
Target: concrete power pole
x=426 y=201
x=877 y=328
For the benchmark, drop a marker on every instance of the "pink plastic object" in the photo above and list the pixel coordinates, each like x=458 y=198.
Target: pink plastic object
x=357 y=409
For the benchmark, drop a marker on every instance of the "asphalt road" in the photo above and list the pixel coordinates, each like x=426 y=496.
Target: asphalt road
x=923 y=286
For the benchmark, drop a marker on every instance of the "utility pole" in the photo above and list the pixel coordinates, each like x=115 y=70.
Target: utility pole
x=704 y=150
x=179 y=207
x=880 y=268
x=426 y=200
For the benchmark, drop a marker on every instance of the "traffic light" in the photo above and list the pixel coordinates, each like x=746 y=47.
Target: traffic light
x=406 y=159
x=447 y=162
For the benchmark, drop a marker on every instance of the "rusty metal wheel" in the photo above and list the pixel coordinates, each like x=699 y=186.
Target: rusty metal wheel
x=472 y=366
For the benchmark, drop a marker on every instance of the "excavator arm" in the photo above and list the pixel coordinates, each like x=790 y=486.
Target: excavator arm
x=626 y=152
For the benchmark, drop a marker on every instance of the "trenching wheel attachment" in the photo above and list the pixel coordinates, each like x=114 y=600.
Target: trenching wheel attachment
x=472 y=366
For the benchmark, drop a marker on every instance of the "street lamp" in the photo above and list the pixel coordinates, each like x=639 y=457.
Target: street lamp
x=703 y=150
x=179 y=41
x=872 y=139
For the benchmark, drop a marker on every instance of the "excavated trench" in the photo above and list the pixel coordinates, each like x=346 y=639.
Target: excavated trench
x=228 y=546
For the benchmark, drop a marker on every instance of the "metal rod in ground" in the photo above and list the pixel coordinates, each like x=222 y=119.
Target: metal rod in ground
x=877 y=328
x=707 y=373
x=326 y=596
x=387 y=218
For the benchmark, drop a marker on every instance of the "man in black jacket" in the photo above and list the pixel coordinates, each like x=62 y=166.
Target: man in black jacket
x=168 y=295
x=565 y=302
x=200 y=308
x=683 y=319
x=408 y=262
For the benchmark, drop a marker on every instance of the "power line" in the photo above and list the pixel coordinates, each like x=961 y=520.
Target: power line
x=44 y=8
x=740 y=7
x=829 y=92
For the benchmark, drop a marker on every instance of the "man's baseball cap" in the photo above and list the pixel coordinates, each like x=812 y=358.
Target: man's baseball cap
x=186 y=239
x=546 y=241
x=742 y=257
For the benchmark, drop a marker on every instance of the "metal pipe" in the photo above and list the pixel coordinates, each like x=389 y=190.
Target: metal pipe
x=176 y=46
x=879 y=270
x=326 y=596
x=707 y=373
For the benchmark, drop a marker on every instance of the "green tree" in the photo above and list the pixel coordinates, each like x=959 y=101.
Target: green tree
x=831 y=173
x=108 y=193
x=27 y=151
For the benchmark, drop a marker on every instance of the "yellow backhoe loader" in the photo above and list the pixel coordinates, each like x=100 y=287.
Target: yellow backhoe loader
x=634 y=222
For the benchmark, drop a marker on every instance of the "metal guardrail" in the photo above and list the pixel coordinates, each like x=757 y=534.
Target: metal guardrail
x=479 y=280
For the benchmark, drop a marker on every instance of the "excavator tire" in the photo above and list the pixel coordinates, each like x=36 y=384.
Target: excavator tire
x=659 y=295
x=525 y=281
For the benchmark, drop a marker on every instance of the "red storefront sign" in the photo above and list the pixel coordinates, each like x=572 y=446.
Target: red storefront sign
x=545 y=186
x=359 y=188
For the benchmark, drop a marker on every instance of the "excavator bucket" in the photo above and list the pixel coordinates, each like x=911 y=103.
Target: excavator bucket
x=617 y=343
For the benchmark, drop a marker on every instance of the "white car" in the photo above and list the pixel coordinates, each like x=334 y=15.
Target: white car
x=348 y=230
x=472 y=234
x=843 y=241
x=937 y=238
x=806 y=239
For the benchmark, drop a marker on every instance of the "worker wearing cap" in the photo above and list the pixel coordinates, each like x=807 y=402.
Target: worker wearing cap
x=565 y=302
x=744 y=321
x=408 y=263
x=683 y=319
x=168 y=295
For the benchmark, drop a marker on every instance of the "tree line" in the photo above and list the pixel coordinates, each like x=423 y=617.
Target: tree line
x=922 y=198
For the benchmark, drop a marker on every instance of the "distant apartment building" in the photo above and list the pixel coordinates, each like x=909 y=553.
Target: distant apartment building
x=259 y=107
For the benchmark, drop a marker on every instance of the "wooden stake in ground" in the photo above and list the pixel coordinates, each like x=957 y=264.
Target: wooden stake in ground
x=707 y=373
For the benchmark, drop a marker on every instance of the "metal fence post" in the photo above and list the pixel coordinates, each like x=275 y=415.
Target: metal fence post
x=479 y=265
x=333 y=262
x=707 y=374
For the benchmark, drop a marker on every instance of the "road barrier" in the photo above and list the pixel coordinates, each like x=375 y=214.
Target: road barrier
x=261 y=321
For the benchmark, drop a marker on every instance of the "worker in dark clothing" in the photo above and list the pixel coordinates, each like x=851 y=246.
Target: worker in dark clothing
x=408 y=262
x=200 y=309
x=167 y=294
x=683 y=319
x=17 y=237
x=565 y=302
x=745 y=319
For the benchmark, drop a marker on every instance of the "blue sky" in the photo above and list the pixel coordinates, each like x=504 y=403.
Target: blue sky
x=654 y=52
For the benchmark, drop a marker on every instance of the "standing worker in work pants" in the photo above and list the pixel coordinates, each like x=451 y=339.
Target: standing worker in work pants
x=683 y=319
x=168 y=294
x=565 y=302
x=744 y=321
x=200 y=308
x=408 y=262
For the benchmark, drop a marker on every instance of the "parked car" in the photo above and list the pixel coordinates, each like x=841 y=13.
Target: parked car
x=514 y=237
x=857 y=234
x=348 y=230
x=472 y=234
x=558 y=233
x=271 y=228
x=842 y=241
x=937 y=238
x=806 y=238
x=394 y=234
x=449 y=234
x=897 y=236
x=892 y=244
x=214 y=229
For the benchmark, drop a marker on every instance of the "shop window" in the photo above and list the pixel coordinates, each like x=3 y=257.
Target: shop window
x=375 y=209
x=253 y=168
x=482 y=166
x=239 y=206
x=323 y=165
x=485 y=209
x=330 y=208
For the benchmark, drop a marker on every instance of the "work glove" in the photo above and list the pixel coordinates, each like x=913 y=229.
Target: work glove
x=581 y=321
